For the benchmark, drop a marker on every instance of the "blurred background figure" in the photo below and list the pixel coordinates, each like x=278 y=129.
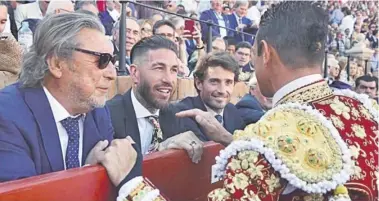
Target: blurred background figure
x=253 y=105
x=10 y=59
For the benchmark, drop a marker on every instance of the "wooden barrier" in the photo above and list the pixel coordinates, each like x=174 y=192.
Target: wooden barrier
x=185 y=87
x=171 y=171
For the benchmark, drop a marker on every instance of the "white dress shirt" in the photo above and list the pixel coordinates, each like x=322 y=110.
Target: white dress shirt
x=27 y=11
x=145 y=128
x=214 y=113
x=222 y=23
x=254 y=15
x=293 y=85
x=60 y=113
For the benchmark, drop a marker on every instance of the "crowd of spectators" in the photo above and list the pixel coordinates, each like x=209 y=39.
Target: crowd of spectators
x=351 y=24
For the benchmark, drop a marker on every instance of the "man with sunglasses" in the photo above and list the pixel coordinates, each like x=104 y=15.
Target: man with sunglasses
x=143 y=112
x=54 y=118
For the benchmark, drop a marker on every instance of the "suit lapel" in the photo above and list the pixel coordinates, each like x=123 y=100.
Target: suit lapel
x=198 y=103
x=130 y=118
x=91 y=135
x=228 y=122
x=38 y=103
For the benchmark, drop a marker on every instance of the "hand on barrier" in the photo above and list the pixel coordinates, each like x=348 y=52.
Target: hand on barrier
x=187 y=141
x=118 y=159
x=211 y=127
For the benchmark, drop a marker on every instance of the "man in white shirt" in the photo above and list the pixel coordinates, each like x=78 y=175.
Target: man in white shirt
x=347 y=22
x=54 y=118
x=215 y=15
x=35 y=10
x=143 y=112
x=254 y=14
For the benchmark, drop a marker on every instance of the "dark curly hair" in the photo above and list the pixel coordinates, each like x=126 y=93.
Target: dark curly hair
x=297 y=30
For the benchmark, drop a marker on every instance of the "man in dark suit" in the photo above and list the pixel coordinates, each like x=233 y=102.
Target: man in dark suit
x=143 y=110
x=53 y=119
x=239 y=21
x=214 y=81
x=216 y=16
x=253 y=105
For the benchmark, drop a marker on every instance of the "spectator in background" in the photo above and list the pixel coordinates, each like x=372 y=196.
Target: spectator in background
x=87 y=5
x=109 y=17
x=253 y=105
x=164 y=28
x=35 y=10
x=253 y=14
x=348 y=20
x=338 y=44
x=374 y=62
x=242 y=55
x=167 y=29
x=10 y=59
x=132 y=34
x=179 y=8
x=146 y=28
x=367 y=85
x=155 y=18
x=231 y=48
x=170 y=6
x=60 y=6
x=336 y=16
x=238 y=21
x=215 y=15
x=3 y=16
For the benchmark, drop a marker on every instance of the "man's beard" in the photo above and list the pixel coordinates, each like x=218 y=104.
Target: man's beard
x=149 y=101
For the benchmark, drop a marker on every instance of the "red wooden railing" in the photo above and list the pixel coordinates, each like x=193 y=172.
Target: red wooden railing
x=171 y=171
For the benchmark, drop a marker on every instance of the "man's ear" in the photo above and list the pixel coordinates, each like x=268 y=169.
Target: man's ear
x=55 y=66
x=134 y=73
x=265 y=52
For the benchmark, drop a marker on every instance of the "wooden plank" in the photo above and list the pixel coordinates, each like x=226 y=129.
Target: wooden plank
x=171 y=171
x=178 y=177
x=89 y=183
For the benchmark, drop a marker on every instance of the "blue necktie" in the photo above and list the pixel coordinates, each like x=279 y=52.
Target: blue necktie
x=219 y=118
x=72 y=153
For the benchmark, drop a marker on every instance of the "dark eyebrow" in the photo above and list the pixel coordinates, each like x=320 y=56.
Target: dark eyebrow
x=159 y=64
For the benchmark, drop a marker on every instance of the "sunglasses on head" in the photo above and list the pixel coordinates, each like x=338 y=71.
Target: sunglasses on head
x=104 y=58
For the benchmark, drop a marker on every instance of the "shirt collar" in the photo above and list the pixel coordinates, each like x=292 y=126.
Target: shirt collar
x=140 y=110
x=59 y=112
x=214 y=113
x=293 y=85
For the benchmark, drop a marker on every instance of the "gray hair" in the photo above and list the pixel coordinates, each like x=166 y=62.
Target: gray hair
x=80 y=3
x=240 y=3
x=54 y=36
x=116 y=25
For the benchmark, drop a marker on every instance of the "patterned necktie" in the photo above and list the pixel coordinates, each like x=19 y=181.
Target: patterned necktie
x=219 y=118
x=72 y=153
x=157 y=134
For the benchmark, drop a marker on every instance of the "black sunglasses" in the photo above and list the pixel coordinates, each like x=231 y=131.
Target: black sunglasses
x=104 y=58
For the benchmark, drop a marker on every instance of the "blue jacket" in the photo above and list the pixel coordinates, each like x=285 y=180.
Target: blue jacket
x=233 y=24
x=250 y=109
x=209 y=15
x=107 y=22
x=232 y=119
x=29 y=141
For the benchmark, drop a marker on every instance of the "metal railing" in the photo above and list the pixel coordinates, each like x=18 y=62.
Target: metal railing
x=124 y=3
